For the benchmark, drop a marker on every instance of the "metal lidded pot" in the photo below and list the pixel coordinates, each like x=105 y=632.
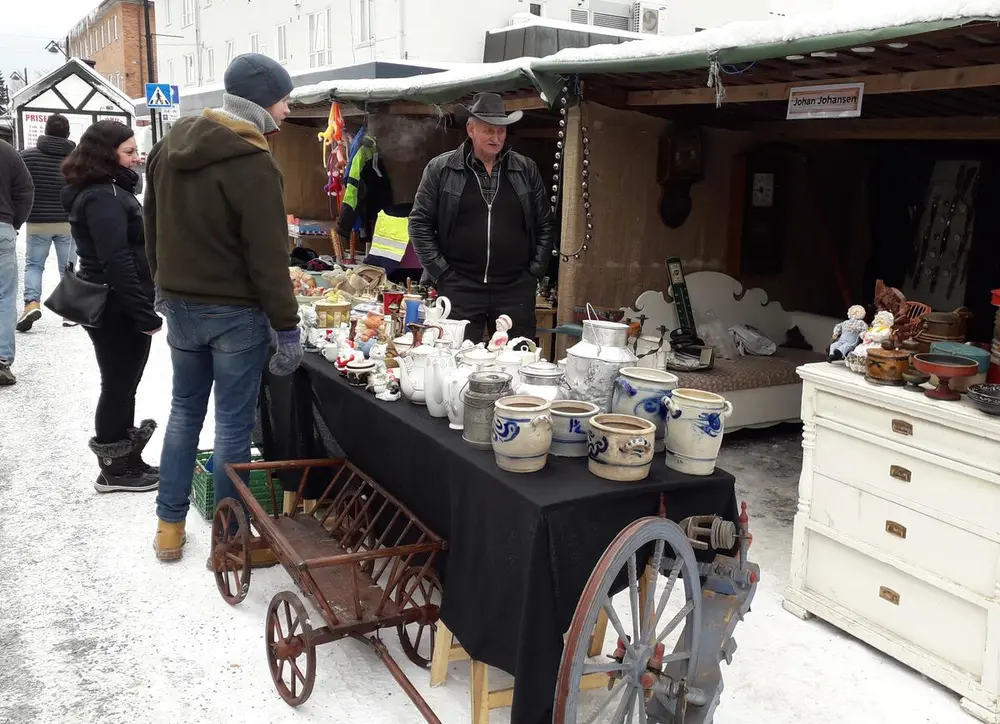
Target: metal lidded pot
x=482 y=391
x=542 y=379
x=593 y=363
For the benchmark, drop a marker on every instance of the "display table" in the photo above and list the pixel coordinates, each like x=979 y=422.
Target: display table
x=897 y=535
x=521 y=547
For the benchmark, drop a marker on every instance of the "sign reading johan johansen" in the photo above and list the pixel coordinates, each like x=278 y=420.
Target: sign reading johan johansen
x=825 y=101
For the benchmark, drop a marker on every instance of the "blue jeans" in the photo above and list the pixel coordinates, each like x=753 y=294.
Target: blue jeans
x=34 y=264
x=8 y=290
x=209 y=344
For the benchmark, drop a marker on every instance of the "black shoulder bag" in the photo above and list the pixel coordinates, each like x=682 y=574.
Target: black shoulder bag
x=78 y=300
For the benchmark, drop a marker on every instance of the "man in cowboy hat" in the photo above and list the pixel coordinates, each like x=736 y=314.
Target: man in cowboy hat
x=482 y=224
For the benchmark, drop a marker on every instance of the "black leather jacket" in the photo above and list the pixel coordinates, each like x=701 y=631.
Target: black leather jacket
x=435 y=208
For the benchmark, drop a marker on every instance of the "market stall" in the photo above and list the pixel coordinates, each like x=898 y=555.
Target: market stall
x=822 y=163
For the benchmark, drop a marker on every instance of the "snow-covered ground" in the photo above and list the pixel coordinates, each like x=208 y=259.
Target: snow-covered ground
x=94 y=629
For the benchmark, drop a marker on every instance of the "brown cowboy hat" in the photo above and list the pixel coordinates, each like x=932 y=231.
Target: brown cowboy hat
x=488 y=108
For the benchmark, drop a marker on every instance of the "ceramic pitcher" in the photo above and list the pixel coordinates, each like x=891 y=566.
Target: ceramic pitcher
x=439 y=367
x=695 y=425
x=639 y=391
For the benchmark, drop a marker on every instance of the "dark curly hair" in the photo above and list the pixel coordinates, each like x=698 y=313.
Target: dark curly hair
x=95 y=159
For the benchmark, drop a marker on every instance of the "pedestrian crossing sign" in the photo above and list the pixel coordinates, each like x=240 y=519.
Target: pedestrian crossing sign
x=158 y=95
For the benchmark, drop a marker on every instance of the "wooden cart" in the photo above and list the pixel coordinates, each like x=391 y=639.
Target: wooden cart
x=360 y=555
x=365 y=562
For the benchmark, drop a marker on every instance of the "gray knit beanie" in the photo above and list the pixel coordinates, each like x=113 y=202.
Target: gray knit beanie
x=257 y=78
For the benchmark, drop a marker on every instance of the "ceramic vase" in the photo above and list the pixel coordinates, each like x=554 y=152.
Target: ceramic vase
x=620 y=447
x=640 y=391
x=695 y=425
x=570 y=422
x=522 y=433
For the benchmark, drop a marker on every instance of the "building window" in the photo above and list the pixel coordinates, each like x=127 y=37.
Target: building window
x=535 y=9
x=167 y=4
x=281 y=43
x=116 y=27
x=319 y=39
x=254 y=43
x=189 y=69
x=170 y=70
x=230 y=52
x=187 y=13
x=210 y=63
x=366 y=22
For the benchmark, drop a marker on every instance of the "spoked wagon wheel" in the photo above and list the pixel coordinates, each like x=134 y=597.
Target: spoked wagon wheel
x=417 y=638
x=640 y=673
x=291 y=655
x=231 y=551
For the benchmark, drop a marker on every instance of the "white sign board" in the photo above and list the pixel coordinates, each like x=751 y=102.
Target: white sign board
x=33 y=125
x=842 y=100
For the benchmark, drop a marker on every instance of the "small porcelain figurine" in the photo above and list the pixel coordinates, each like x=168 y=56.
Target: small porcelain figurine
x=847 y=334
x=499 y=339
x=880 y=331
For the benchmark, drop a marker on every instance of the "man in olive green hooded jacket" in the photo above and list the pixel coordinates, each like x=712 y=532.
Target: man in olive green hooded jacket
x=217 y=242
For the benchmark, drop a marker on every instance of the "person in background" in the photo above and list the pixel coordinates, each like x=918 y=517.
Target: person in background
x=48 y=223
x=106 y=221
x=16 y=194
x=482 y=224
x=217 y=239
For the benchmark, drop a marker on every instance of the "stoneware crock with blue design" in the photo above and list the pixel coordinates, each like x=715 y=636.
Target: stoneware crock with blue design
x=522 y=433
x=570 y=422
x=639 y=391
x=695 y=425
x=620 y=447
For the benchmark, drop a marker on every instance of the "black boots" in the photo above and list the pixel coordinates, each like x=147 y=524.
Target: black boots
x=140 y=437
x=117 y=472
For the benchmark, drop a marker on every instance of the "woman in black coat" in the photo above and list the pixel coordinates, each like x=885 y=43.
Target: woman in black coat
x=106 y=221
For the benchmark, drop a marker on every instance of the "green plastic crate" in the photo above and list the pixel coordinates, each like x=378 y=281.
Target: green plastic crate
x=203 y=488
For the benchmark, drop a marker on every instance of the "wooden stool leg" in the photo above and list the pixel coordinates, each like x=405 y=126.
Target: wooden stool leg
x=443 y=640
x=308 y=506
x=480 y=693
x=600 y=631
x=288 y=501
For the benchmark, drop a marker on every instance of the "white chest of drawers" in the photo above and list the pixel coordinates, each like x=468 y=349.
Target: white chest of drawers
x=897 y=534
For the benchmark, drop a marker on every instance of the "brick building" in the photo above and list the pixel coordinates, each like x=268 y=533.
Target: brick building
x=113 y=35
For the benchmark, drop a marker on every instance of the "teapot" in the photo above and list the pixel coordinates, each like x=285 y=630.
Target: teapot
x=439 y=366
x=413 y=367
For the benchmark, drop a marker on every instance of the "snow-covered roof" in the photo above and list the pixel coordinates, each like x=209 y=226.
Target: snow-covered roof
x=744 y=41
x=25 y=94
x=440 y=87
x=853 y=22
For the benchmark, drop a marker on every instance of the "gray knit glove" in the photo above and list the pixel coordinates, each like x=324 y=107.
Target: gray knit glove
x=286 y=359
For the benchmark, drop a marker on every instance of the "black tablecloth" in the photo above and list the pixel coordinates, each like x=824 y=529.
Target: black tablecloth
x=521 y=547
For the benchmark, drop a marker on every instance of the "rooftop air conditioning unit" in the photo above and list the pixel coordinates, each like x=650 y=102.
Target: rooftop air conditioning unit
x=649 y=19
x=601 y=14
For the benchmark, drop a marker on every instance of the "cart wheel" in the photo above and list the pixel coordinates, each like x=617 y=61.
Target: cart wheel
x=231 y=551
x=417 y=638
x=288 y=637
x=640 y=674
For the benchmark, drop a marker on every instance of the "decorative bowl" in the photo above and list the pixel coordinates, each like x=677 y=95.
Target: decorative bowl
x=945 y=367
x=916 y=378
x=986 y=397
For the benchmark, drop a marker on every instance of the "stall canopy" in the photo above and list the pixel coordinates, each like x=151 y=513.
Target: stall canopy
x=718 y=50
x=76 y=91
x=449 y=85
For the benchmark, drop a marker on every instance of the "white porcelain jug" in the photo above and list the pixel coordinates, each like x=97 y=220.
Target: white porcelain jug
x=439 y=366
x=473 y=359
x=413 y=371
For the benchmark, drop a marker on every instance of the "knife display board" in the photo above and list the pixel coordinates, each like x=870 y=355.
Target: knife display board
x=938 y=267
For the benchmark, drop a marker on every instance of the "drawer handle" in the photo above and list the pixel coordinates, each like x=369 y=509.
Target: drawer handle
x=902 y=427
x=900 y=473
x=894 y=528
x=887 y=594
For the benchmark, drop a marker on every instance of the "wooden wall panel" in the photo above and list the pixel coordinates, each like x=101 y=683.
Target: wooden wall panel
x=298 y=153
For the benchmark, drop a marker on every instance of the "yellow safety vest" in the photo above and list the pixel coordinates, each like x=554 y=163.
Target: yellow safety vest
x=391 y=237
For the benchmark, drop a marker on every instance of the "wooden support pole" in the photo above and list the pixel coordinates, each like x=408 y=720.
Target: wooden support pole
x=574 y=222
x=914 y=81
